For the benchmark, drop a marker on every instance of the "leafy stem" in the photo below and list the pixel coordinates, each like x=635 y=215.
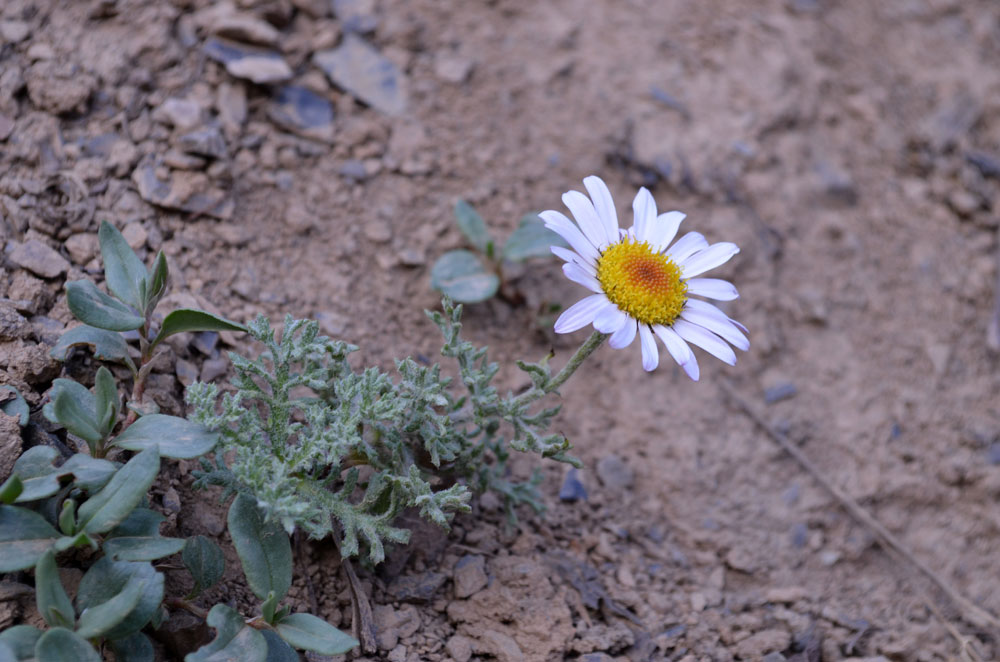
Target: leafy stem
x=586 y=349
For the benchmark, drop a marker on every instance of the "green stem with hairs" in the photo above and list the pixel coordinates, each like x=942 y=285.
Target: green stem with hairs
x=586 y=349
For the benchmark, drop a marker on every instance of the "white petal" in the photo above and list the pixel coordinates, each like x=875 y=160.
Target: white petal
x=643 y=214
x=574 y=257
x=679 y=350
x=664 y=230
x=581 y=313
x=713 y=288
x=624 y=336
x=650 y=354
x=705 y=339
x=604 y=205
x=577 y=274
x=586 y=217
x=713 y=319
x=565 y=228
x=710 y=258
x=610 y=319
x=690 y=243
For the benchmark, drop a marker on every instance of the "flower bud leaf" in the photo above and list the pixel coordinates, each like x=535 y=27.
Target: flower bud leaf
x=463 y=277
x=93 y=307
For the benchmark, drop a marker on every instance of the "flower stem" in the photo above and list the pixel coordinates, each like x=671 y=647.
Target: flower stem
x=575 y=361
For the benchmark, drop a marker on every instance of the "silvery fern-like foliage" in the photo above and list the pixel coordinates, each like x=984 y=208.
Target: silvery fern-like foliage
x=328 y=449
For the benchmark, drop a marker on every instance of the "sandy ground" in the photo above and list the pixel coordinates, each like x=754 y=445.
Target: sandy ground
x=851 y=149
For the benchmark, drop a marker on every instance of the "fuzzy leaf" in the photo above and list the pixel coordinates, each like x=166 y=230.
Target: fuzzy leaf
x=234 y=640
x=138 y=538
x=175 y=437
x=191 y=319
x=53 y=603
x=277 y=649
x=205 y=561
x=108 y=403
x=531 y=239
x=472 y=226
x=89 y=474
x=124 y=272
x=61 y=645
x=462 y=276
x=93 y=307
x=75 y=408
x=308 y=632
x=106 y=345
x=16 y=406
x=263 y=548
x=24 y=537
x=107 y=579
x=134 y=648
x=98 y=619
x=123 y=492
x=39 y=477
x=21 y=639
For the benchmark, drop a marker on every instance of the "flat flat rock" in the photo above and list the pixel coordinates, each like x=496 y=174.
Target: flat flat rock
x=243 y=27
x=304 y=112
x=204 y=142
x=186 y=191
x=355 y=15
x=39 y=259
x=243 y=61
x=357 y=67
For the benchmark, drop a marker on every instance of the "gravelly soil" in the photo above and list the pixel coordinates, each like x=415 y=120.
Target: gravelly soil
x=851 y=149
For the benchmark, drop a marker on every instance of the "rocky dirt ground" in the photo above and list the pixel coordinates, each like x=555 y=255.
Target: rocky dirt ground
x=851 y=149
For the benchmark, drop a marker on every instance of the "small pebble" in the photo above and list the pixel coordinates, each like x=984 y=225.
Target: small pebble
x=212 y=369
x=573 y=488
x=205 y=342
x=39 y=259
x=614 y=473
x=779 y=392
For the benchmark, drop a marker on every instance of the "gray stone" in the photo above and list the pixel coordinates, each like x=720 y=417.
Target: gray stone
x=14 y=32
x=354 y=169
x=6 y=126
x=377 y=231
x=12 y=324
x=355 y=15
x=331 y=323
x=572 y=488
x=189 y=192
x=302 y=111
x=135 y=235
x=212 y=369
x=397 y=654
x=614 y=473
x=187 y=372
x=254 y=64
x=244 y=27
x=181 y=113
x=779 y=392
x=204 y=142
x=416 y=588
x=757 y=645
x=205 y=342
x=39 y=259
x=231 y=102
x=469 y=575
x=500 y=646
x=365 y=73
x=460 y=648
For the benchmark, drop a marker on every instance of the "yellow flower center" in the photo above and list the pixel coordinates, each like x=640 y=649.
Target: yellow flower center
x=644 y=284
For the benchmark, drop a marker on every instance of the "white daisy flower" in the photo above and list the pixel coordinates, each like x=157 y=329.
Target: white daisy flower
x=642 y=284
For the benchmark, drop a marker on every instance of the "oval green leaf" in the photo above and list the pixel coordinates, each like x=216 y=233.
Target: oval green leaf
x=21 y=639
x=106 y=345
x=104 y=510
x=308 y=632
x=89 y=474
x=53 y=603
x=107 y=579
x=176 y=437
x=99 y=619
x=472 y=226
x=462 y=276
x=75 y=408
x=192 y=319
x=15 y=406
x=124 y=272
x=142 y=549
x=11 y=489
x=205 y=561
x=24 y=537
x=531 y=239
x=263 y=548
x=134 y=648
x=234 y=640
x=93 y=307
x=277 y=649
x=61 y=645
